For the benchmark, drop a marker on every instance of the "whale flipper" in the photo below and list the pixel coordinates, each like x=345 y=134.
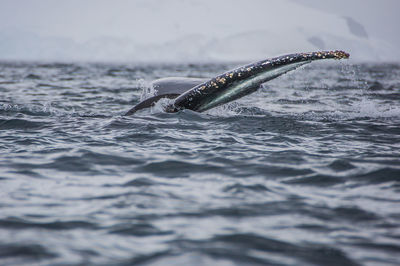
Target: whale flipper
x=231 y=85
x=244 y=80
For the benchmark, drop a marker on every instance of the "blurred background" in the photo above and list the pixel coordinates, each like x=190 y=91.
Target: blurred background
x=195 y=30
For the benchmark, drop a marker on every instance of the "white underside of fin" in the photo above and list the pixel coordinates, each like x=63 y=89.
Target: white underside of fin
x=244 y=85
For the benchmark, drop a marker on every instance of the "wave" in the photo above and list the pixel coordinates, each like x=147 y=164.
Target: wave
x=265 y=251
x=23 y=124
x=18 y=223
x=24 y=253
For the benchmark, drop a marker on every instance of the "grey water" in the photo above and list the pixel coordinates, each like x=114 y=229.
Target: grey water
x=306 y=171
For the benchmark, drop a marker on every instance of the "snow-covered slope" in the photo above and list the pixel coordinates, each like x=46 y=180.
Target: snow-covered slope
x=177 y=30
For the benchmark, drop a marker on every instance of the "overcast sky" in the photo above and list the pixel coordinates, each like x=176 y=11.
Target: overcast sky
x=380 y=17
x=146 y=22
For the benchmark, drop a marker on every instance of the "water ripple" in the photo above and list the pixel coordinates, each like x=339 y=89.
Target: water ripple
x=303 y=172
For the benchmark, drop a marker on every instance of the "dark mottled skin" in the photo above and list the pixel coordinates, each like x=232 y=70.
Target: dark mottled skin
x=194 y=98
x=150 y=102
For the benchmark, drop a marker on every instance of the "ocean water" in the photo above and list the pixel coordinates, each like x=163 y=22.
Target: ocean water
x=306 y=171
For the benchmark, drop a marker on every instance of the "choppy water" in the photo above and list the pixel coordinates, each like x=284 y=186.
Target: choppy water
x=304 y=172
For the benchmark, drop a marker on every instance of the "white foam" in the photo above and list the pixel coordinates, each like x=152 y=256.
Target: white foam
x=147 y=89
x=374 y=109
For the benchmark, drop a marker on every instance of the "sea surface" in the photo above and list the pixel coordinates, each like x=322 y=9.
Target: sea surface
x=306 y=171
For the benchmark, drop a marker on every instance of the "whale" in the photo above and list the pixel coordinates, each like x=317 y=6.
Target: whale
x=170 y=87
x=199 y=94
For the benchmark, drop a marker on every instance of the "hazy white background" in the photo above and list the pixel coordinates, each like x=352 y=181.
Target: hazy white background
x=195 y=30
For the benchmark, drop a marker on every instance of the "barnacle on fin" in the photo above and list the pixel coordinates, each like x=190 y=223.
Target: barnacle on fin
x=341 y=54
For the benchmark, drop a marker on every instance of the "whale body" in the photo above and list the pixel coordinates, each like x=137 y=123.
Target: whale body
x=203 y=94
x=170 y=88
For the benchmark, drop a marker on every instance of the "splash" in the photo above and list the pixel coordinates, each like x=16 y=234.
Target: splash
x=38 y=109
x=374 y=109
x=147 y=89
